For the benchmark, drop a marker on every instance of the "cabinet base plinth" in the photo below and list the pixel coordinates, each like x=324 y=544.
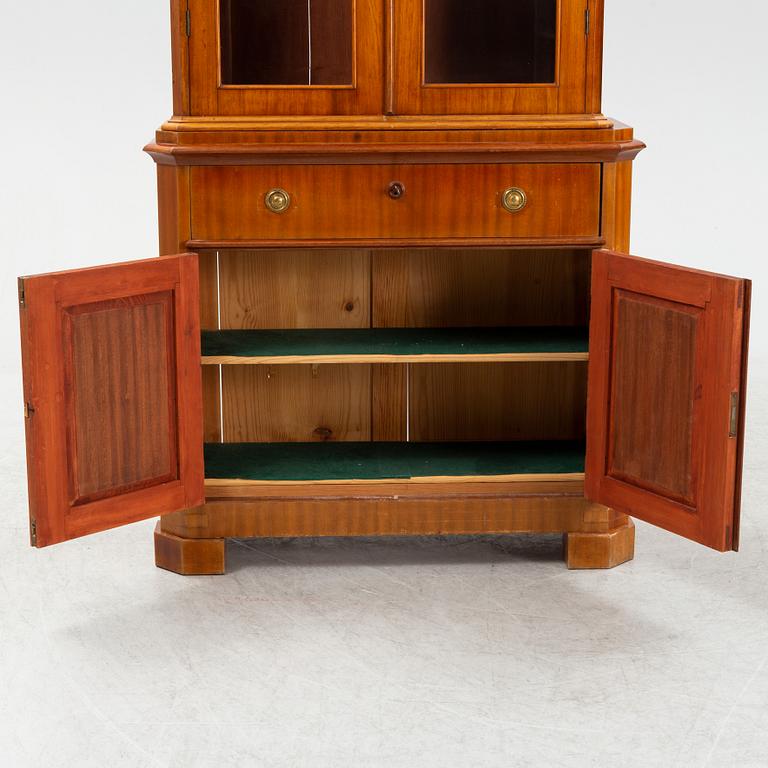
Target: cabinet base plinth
x=189 y=557
x=600 y=550
x=193 y=541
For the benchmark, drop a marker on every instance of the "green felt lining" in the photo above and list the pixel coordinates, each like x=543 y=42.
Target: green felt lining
x=393 y=341
x=389 y=461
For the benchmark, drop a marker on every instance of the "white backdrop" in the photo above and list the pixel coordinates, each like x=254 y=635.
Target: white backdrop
x=85 y=84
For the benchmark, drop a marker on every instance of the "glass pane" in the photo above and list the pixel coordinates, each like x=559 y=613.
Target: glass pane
x=490 y=41
x=286 y=42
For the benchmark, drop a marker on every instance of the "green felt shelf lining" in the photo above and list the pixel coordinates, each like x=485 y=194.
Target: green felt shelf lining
x=394 y=341
x=389 y=461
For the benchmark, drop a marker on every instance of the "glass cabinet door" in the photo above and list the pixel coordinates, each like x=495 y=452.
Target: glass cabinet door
x=292 y=57
x=490 y=56
x=291 y=42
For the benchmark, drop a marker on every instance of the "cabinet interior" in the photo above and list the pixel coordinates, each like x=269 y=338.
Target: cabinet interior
x=442 y=363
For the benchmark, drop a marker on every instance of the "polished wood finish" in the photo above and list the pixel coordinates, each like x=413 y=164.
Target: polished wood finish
x=112 y=382
x=440 y=201
x=173 y=204
x=594 y=80
x=392 y=147
x=187 y=556
x=600 y=550
x=431 y=487
x=389 y=516
x=667 y=346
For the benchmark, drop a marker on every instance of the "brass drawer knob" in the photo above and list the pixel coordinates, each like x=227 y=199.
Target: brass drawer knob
x=514 y=199
x=277 y=200
x=396 y=190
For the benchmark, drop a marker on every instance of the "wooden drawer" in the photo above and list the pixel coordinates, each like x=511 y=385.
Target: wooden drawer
x=352 y=202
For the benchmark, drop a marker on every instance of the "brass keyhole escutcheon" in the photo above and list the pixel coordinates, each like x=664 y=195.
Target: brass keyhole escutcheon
x=514 y=199
x=396 y=190
x=277 y=200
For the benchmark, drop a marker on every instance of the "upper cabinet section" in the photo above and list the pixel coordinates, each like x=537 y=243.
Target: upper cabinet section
x=393 y=57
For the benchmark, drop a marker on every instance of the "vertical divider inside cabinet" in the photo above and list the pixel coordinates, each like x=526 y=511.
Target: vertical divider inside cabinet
x=210 y=312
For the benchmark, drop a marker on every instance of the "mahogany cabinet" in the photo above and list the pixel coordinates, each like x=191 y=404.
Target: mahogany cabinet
x=394 y=297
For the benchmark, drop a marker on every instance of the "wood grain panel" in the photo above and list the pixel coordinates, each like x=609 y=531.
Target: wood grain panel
x=296 y=289
x=122 y=384
x=502 y=401
x=441 y=201
x=657 y=402
x=300 y=288
x=667 y=347
x=435 y=288
x=113 y=387
x=174 y=209
x=389 y=407
x=393 y=516
x=295 y=403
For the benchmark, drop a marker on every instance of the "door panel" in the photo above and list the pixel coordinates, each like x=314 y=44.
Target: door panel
x=307 y=57
x=454 y=57
x=666 y=385
x=111 y=359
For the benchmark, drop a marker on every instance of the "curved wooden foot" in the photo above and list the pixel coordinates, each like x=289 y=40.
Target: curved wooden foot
x=600 y=550
x=189 y=557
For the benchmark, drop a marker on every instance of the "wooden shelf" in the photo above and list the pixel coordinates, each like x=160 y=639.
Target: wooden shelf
x=399 y=345
x=393 y=462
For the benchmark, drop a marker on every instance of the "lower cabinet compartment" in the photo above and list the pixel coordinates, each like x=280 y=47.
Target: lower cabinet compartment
x=419 y=366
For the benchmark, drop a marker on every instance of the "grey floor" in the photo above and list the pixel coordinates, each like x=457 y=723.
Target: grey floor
x=473 y=652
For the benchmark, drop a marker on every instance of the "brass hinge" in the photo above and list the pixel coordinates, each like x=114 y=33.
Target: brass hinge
x=188 y=23
x=33 y=532
x=587 y=21
x=22 y=293
x=734 y=429
x=28 y=410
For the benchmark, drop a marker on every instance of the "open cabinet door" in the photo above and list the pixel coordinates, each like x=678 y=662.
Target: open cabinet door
x=113 y=400
x=665 y=412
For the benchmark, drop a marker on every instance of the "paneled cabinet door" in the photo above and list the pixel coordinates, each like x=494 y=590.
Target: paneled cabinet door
x=112 y=389
x=294 y=57
x=496 y=57
x=667 y=379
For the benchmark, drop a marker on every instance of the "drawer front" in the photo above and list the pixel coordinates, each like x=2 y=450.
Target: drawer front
x=358 y=202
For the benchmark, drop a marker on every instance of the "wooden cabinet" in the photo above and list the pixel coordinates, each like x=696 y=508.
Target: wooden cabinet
x=404 y=304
